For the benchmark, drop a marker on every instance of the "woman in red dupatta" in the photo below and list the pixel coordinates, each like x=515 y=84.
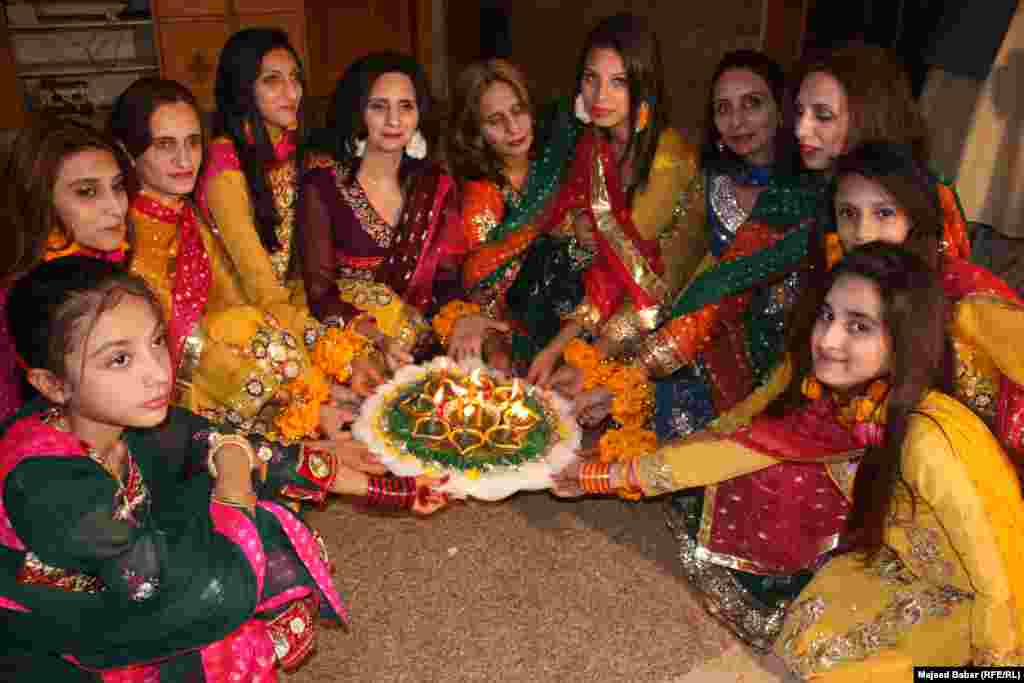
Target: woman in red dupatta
x=597 y=265
x=865 y=433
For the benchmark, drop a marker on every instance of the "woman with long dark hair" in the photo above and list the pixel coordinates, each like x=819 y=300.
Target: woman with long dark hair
x=64 y=193
x=863 y=453
x=249 y=183
x=372 y=221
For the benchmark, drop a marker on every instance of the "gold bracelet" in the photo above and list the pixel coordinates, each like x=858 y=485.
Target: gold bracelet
x=218 y=441
x=246 y=503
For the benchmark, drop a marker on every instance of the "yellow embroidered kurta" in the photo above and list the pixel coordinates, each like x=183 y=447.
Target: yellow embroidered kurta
x=228 y=207
x=236 y=361
x=948 y=588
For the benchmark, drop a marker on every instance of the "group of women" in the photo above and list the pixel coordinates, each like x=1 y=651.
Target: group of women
x=834 y=387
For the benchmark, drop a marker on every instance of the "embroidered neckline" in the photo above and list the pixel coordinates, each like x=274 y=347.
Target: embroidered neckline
x=382 y=232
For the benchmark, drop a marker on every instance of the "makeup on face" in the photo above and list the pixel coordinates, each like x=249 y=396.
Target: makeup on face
x=505 y=122
x=90 y=199
x=392 y=114
x=746 y=115
x=170 y=165
x=866 y=212
x=850 y=344
x=605 y=90
x=822 y=120
x=278 y=89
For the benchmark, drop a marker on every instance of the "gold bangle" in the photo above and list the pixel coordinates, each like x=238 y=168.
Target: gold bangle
x=246 y=503
x=218 y=441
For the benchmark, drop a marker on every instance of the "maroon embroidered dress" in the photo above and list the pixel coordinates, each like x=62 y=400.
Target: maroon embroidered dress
x=355 y=262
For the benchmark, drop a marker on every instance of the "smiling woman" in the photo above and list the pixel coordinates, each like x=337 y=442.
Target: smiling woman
x=372 y=220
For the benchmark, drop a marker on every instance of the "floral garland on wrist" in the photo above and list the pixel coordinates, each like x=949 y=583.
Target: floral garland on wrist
x=332 y=359
x=304 y=396
x=632 y=405
x=450 y=313
x=337 y=349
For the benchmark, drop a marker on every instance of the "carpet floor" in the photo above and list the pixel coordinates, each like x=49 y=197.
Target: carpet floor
x=530 y=589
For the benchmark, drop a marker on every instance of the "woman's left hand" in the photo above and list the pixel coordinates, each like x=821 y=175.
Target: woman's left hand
x=543 y=365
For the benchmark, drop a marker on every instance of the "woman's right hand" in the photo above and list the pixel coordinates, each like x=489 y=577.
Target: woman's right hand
x=469 y=333
x=368 y=372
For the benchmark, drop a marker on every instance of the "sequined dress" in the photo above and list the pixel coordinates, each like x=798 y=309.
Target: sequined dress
x=355 y=262
x=719 y=345
x=138 y=575
x=232 y=355
x=947 y=588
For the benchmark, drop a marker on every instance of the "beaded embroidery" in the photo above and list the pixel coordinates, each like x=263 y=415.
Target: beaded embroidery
x=354 y=195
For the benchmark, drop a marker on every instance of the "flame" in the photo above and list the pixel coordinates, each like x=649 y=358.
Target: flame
x=439 y=397
x=475 y=377
x=468 y=411
x=515 y=388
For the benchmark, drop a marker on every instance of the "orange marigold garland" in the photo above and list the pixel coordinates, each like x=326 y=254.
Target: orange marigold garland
x=863 y=415
x=332 y=360
x=336 y=350
x=632 y=405
x=301 y=417
x=444 y=321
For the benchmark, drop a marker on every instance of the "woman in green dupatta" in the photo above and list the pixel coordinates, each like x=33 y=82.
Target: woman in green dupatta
x=602 y=253
x=117 y=550
x=508 y=164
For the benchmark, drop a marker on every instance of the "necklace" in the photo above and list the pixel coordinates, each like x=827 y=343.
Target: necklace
x=56 y=418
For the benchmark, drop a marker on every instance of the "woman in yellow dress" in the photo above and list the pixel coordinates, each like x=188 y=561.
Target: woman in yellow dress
x=865 y=454
x=234 y=362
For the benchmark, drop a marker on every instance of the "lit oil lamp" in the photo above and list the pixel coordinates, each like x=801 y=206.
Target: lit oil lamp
x=508 y=393
x=519 y=417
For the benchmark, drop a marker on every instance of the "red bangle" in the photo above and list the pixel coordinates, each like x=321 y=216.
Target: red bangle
x=391 y=492
x=595 y=477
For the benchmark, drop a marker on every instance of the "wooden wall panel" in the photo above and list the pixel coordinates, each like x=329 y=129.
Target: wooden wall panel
x=341 y=31
x=189 y=51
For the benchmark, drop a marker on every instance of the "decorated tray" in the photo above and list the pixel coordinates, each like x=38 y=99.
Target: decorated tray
x=492 y=435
